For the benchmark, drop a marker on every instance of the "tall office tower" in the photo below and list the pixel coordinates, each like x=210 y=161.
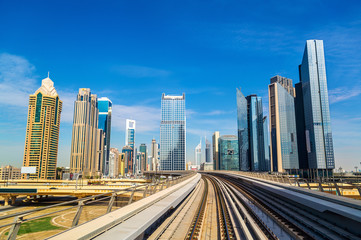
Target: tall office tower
x=266 y=145
x=228 y=153
x=142 y=163
x=251 y=137
x=154 y=152
x=208 y=151
x=105 y=118
x=243 y=138
x=99 y=145
x=122 y=164
x=173 y=133
x=284 y=151
x=113 y=163
x=300 y=127
x=83 y=154
x=198 y=154
x=215 y=139
x=42 y=131
x=318 y=133
x=128 y=156
x=143 y=149
x=130 y=137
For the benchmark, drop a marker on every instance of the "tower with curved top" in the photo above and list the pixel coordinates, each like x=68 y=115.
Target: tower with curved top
x=42 y=131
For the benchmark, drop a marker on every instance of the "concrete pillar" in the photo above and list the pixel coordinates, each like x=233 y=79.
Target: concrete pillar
x=6 y=201
x=13 y=198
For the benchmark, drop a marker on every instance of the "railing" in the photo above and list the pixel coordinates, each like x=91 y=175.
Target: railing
x=336 y=188
x=104 y=202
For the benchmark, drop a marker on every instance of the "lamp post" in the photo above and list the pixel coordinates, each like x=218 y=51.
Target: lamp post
x=356 y=174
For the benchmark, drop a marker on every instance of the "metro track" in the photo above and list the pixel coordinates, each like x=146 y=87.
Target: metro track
x=292 y=218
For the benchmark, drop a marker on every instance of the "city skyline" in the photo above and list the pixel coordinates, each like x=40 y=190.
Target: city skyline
x=204 y=63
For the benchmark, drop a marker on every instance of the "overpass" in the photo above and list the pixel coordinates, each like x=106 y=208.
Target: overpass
x=221 y=205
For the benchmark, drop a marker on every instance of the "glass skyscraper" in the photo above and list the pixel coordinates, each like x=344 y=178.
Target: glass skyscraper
x=251 y=138
x=318 y=133
x=242 y=122
x=207 y=151
x=105 y=115
x=173 y=133
x=284 y=150
x=228 y=153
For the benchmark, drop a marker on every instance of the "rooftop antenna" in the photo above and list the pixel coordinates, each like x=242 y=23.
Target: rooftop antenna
x=48 y=74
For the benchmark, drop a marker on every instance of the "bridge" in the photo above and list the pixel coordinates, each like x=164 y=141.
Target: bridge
x=204 y=205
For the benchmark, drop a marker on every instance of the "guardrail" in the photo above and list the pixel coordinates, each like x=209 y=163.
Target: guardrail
x=337 y=188
x=79 y=204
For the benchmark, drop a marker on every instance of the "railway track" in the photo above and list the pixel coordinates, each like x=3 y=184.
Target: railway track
x=299 y=222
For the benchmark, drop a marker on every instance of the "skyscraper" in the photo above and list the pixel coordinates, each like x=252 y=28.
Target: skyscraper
x=251 y=138
x=143 y=151
x=114 y=163
x=198 y=154
x=42 y=131
x=173 y=133
x=154 y=153
x=318 y=135
x=243 y=138
x=266 y=145
x=207 y=151
x=84 y=152
x=228 y=153
x=284 y=151
x=215 y=138
x=105 y=117
x=130 y=133
x=128 y=159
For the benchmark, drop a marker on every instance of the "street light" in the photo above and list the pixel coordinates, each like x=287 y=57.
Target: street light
x=356 y=174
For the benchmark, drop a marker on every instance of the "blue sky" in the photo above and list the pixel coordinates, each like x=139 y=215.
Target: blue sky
x=133 y=51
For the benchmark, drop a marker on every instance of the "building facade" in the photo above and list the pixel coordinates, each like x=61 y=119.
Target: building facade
x=207 y=152
x=105 y=119
x=84 y=151
x=284 y=150
x=215 y=138
x=42 y=131
x=318 y=134
x=128 y=160
x=198 y=155
x=228 y=153
x=114 y=163
x=251 y=137
x=155 y=155
x=10 y=173
x=243 y=137
x=173 y=133
x=267 y=153
x=144 y=158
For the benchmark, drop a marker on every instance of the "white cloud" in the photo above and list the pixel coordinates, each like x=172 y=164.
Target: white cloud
x=17 y=80
x=343 y=93
x=133 y=71
x=147 y=118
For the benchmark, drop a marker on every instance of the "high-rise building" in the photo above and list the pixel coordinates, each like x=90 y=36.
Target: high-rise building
x=215 y=139
x=99 y=145
x=243 y=138
x=318 y=134
x=84 y=153
x=251 y=138
x=284 y=151
x=143 y=162
x=122 y=164
x=113 y=163
x=128 y=159
x=198 y=154
x=173 y=133
x=228 y=153
x=266 y=145
x=155 y=155
x=105 y=117
x=207 y=151
x=42 y=131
